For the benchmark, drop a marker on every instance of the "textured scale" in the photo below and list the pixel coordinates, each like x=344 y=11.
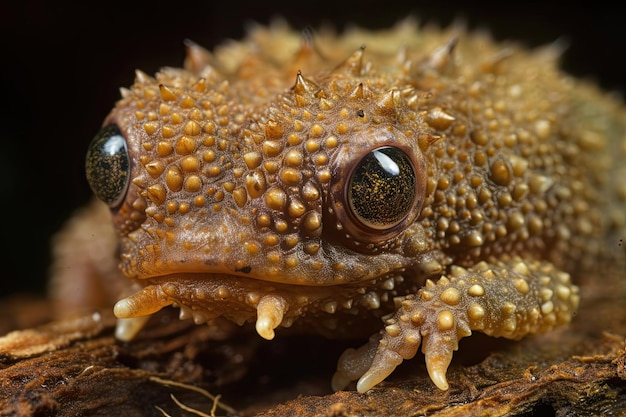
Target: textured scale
x=242 y=199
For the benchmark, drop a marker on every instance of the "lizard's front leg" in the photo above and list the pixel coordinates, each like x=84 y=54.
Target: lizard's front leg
x=509 y=298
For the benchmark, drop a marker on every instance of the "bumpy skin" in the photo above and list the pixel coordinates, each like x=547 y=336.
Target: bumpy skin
x=245 y=195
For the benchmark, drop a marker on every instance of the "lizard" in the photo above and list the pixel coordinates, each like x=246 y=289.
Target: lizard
x=412 y=184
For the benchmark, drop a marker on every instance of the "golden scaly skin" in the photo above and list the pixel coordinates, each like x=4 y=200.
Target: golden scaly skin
x=245 y=195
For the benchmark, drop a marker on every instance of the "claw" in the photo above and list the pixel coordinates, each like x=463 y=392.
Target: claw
x=147 y=301
x=270 y=312
x=438 y=359
x=127 y=329
x=383 y=366
x=133 y=312
x=354 y=363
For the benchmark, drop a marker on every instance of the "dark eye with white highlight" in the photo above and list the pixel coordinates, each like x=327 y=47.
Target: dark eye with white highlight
x=107 y=166
x=382 y=190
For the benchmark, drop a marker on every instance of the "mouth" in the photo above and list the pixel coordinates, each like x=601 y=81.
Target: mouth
x=203 y=297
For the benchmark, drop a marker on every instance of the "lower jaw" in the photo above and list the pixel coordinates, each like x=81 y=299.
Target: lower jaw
x=267 y=304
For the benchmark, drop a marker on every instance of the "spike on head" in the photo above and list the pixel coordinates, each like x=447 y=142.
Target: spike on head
x=354 y=64
x=307 y=36
x=166 y=93
x=306 y=54
x=304 y=90
x=307 y=46
x=143 y=78
x=304 y=86
x=426 y=140
x=386 y=105
x=403 y=54
x=197 y=58
x=493 y=63
x=125 y=92
x=357 y=94
x=419 y=98
x=404 y=60
x=200 y=85
x=442 y=57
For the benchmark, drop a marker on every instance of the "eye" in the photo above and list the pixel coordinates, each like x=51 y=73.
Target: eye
x=382 y=189
x=107 y=165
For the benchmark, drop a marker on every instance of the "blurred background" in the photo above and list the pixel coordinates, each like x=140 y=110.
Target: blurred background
x=62 y=64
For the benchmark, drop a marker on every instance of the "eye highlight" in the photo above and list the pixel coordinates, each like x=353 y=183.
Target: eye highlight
x=382 y=188
x=107 y=165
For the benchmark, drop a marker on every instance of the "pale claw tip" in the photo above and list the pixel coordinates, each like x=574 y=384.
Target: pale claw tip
x=123 y=309
x=368 y=381
x=439 y=379
x=384 y=364
x=270 y=313
x=339 y=381
x=147 y=301
x=127 y=329
x=437 y=367
x=264 y=329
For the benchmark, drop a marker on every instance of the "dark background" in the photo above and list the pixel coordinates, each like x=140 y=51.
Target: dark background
x=62 y=64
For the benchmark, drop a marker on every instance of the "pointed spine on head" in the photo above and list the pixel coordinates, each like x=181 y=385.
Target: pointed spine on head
x=354 y=64
x=442 y=58
x=388 y=103
x=305 y=56
x=493 y=63
x=125 y=92
x=305 y=90
x=199 y=86
x=307 y=47
x=196 y=57
x=143 y=78
x=404 y=60
x=357 y=94
x=425 y=140
x=166 y=93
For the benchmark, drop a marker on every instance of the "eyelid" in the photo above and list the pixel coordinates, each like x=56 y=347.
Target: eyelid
x=340 y=224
